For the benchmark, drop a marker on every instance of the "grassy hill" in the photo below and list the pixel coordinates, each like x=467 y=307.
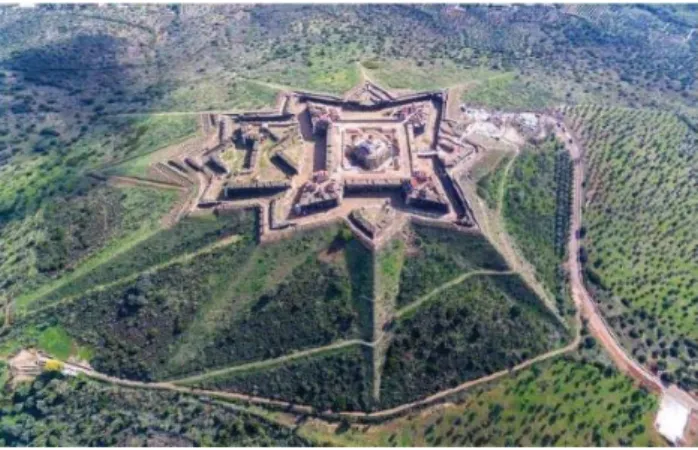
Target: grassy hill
x=171 y=319
x=230 y=314
x=187 y=236
x=640 y=234
x=70 y=231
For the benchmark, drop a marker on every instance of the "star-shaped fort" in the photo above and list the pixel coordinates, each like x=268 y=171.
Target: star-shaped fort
x=371 y=158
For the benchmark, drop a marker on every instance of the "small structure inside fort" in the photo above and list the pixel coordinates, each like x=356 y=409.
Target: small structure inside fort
x=369 y=151
x=319 y=193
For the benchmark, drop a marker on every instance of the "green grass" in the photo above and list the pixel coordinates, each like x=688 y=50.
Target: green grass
x=480 y=326
x=54 y=340
x=560 y=403
x=221 y=95
x=536 y=211
x=420 y=75
x=70 y=236
x=145 y=135
x=489 y=185
x=435 y=256
x=508 y=91
x=640 y=238
x=389 y=263
x=322 y=68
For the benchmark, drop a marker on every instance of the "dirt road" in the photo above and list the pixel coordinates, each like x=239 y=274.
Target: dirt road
x=306 y=409
x=595 y=322
x=256 y=365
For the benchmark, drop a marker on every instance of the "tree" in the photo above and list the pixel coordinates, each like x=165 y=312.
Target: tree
x=53 y=365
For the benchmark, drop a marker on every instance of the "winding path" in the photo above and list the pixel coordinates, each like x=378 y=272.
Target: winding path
x=582 y=299
x=585 y=306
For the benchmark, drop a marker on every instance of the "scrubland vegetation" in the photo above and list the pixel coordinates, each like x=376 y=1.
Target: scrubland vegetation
x=312 y=306
x=57 y=411
x=134 y=325
x=536 y=212
x=188 y=235
x=485 y=324
x=640 y=232
x=138 y=326
x=70 y=231
x=287 y=296
x=435 y=256
x=338 y=380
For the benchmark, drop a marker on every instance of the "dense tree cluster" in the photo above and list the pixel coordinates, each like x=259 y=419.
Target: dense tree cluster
x=57 y=411
x=340 y=380
x=483 y=325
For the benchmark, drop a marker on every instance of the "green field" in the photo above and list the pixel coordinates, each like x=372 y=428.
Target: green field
x=490 y=185
x=508 y=91
x=221 y=94
x=389 y=263
x=421 y=76
x=536 y=211
x=640 y=233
